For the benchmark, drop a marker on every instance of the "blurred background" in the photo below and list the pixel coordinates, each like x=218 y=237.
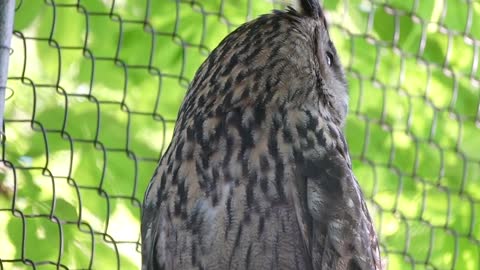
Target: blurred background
x=94 y=87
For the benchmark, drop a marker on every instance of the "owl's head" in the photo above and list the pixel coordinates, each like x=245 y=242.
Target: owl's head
x=325 y=68
x=280 y=60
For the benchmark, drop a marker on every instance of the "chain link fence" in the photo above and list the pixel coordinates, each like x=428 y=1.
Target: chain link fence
x=94 y=87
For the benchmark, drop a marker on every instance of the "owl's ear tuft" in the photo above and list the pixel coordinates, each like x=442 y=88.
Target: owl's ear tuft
x=309 y=8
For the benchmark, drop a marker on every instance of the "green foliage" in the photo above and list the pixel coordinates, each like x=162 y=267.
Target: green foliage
x=97 y=89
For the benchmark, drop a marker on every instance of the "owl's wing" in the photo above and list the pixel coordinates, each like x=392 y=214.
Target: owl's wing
x=331 y=212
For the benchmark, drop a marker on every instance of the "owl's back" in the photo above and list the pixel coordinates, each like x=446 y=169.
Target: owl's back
x=229 y=207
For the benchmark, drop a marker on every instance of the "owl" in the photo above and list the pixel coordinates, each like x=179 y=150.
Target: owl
x=258 y=173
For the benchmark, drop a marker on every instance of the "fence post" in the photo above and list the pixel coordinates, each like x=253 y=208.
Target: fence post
x=7 y=10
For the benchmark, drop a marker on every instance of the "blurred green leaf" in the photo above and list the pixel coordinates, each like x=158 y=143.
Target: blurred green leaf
x=383 y=23
x=41 y=241
x=27 y=14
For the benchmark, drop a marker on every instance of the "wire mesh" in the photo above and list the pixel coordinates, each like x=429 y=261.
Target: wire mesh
x=94 y=89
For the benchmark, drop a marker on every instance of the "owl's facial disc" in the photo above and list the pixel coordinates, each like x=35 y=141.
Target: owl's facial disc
x=332 y=87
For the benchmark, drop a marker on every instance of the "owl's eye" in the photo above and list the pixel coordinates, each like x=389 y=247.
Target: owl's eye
x=329 y=57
